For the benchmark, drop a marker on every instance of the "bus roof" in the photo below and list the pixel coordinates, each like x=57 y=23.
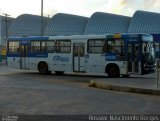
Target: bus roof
x=105 y=36
x=124 y=35
x=156 y=37
x=29 y=38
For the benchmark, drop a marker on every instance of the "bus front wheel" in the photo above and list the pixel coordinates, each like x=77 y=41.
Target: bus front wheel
x=113 y=71
x=43 y=68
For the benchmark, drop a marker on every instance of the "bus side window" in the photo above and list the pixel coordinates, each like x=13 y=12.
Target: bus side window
x=13 y=47
x=43 y=46
x=58 y=47
x=144 y=48
x=63 y=46
x=18 y=49
x=105 y=47
x=116 y=46
x=110 y=47
x=50 y=46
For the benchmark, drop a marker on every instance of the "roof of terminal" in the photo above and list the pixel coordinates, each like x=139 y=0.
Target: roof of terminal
x=104 y=23
x=27 y=25
x=98 y=23
x=145 y=22
x=66 y=24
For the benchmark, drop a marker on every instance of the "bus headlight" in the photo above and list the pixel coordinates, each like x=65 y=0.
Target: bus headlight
x=145 y=65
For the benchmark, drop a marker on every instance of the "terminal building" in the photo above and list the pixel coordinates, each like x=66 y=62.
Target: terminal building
x=67 y=24
x=98 y=23
x=105 y=23
x=23 y=25
x=4 y=26
x=27 y=25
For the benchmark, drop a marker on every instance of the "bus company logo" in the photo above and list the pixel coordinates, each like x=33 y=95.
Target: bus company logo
x=60 y=58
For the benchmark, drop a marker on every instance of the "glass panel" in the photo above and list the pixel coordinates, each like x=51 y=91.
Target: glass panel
x=78 y=50
x=50 y=45
x=75 y=48
x=13 y=47
x=97 y=46
x=81 y=49
x=148 y=52
x=63 y=46
x=129 y=52
x=24 y=50
x=136 y=52
x=157 y=46
x=43 y=46
x=116 y=46
x=35 y=46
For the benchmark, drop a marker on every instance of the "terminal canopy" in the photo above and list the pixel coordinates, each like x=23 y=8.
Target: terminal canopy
x=27 y=25
x=66 y=24
x=104 y=23
x=145 y=22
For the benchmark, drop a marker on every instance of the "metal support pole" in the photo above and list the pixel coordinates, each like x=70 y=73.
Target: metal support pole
x=42 y=17
x=6 y=21
x=157 y=72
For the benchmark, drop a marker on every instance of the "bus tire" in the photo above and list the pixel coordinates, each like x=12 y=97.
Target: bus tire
x=43 y=68
x=113 y=71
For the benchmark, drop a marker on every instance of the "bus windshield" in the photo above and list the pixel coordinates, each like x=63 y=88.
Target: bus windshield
x=148 y=53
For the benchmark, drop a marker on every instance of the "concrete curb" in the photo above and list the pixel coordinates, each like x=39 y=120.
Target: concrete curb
x=108 y=86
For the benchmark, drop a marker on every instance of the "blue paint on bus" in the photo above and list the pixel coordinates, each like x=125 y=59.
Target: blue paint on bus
x=28 y=38
x=111 y=57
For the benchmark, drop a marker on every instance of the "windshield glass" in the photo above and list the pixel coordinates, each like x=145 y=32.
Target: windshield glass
x=148 y=52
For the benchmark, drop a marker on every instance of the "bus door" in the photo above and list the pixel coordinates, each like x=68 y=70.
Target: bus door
x=24 y=61
x=134 y=63
x=78 y=57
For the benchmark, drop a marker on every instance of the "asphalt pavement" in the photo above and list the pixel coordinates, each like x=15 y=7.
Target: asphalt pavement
x=28 y=94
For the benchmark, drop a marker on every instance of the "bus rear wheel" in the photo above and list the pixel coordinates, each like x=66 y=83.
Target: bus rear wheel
x=113 y=71
x=43 y=68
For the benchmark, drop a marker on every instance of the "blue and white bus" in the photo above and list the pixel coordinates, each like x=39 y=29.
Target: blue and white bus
x=113 y=54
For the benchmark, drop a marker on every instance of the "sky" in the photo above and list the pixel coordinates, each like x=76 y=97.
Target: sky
x=77 y=7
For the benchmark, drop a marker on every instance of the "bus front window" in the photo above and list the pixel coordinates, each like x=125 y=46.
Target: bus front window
x=148 y=52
